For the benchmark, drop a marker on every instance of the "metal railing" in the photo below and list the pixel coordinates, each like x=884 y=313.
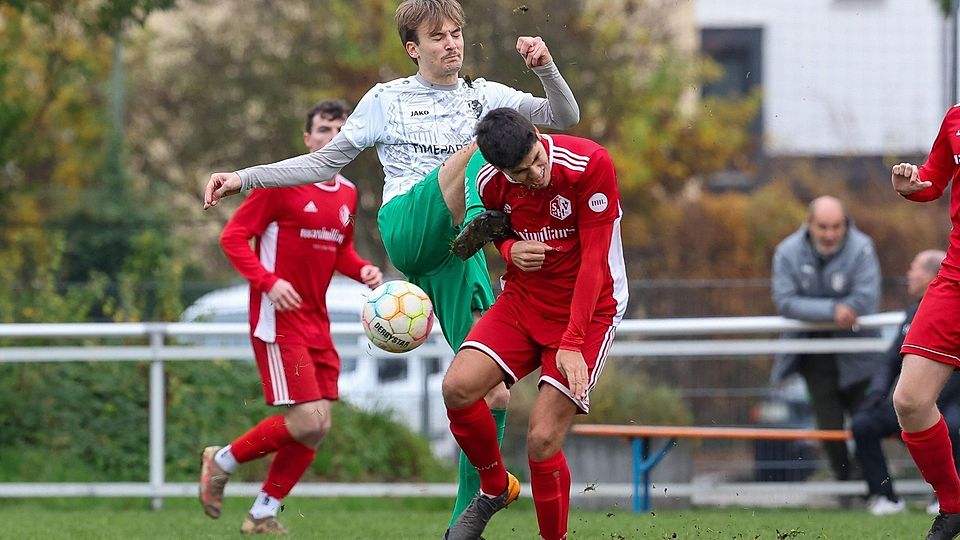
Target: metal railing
x=719 y=336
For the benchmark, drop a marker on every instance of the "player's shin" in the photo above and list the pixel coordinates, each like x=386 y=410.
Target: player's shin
x=550 y=482
x=476 y=432
x=932 y=451
x=468 y=481
x=288 y=466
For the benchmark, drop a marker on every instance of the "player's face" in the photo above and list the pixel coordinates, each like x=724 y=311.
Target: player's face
x=533 y=170
x=440 y=51
x=324 y=130
x=827 y=231
x=918 y=277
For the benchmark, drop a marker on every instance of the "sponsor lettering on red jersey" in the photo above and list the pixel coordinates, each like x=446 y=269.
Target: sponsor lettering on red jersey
x=582 y=195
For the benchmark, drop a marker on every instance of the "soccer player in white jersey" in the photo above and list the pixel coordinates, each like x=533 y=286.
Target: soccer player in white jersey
x=422 y=127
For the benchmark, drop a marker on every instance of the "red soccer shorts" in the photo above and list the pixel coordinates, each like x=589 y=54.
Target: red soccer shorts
x=294 y=373
x=520 y=342
x=935 y=330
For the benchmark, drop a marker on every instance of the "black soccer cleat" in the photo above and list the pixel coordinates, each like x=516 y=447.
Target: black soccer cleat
x=945 y=527
x=488 y=226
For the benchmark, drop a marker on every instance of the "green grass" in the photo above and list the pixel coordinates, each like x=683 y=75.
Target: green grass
x=417 y=518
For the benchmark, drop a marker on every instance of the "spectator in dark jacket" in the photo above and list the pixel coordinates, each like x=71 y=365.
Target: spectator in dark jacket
x=876 y=419
x=828 y=271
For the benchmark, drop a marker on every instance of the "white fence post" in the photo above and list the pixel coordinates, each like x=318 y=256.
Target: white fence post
x=157 y=415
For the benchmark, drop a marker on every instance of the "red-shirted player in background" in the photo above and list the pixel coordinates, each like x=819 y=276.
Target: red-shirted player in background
x=931 y=348
x=302 y=234
x=565 y=293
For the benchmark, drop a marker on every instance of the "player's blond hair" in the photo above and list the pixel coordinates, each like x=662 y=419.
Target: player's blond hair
x=412 y=13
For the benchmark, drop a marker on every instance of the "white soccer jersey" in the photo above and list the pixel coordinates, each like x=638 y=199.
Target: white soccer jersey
x=415 y=125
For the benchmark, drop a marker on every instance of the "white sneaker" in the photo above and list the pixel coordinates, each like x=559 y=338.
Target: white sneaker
x=934 y=507
x=879 y=505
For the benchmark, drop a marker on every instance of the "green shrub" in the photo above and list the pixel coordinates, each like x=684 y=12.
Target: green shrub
x=89 y=422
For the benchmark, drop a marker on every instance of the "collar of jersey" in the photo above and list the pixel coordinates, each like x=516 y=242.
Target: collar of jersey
x=432 y=85
x=329 y=187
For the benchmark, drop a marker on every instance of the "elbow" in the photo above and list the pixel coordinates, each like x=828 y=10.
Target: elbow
x=570 y=121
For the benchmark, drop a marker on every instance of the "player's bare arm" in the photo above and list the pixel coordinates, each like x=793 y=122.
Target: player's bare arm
x=221 y=184
x=905 y=178
x=528 y=255
x=534 y=51
x=572 y=365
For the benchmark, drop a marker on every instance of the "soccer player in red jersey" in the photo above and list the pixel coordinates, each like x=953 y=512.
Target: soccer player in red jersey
x=565 y=293
x=931 y=348
x=303 y=234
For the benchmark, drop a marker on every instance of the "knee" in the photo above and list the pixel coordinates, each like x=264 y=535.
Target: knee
x=456 y=395
x=542 y=442
x=310 y=430
x=908 y=403
x=499 y=397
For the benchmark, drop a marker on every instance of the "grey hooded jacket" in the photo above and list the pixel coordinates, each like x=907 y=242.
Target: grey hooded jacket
x=808 y=286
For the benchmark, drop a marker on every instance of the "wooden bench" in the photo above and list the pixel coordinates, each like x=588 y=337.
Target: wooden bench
x=643 y=462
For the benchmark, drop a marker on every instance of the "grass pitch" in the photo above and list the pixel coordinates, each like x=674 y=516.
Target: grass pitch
x=419 y=518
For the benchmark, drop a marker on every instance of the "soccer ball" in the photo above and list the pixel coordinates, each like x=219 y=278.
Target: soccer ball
x=397 y=316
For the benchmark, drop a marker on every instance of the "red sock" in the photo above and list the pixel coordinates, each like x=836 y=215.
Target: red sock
x=476 y=433
x=550 y=481
x=933 y=453
x=267 y=436
x=291 y=461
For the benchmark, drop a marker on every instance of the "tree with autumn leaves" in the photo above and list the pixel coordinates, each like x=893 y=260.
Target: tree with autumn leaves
x=100 y=177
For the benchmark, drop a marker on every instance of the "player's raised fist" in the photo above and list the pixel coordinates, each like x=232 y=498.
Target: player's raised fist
x=534 y=51
x=221 y=185
x=905 y=178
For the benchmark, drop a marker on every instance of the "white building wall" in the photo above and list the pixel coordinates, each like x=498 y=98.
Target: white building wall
x=844 y=77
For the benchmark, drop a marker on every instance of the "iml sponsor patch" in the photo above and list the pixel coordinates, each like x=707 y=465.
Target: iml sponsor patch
x=598 y=202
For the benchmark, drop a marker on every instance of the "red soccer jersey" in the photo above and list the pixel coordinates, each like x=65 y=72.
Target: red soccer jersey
x=303 y=233
x=582 y=195
x=942 y=166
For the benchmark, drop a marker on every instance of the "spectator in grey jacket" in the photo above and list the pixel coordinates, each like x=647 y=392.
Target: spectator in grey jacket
x=828 y=271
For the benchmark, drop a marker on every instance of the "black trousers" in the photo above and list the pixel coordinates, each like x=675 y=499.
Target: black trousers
x=831 y=406
x=871 y=426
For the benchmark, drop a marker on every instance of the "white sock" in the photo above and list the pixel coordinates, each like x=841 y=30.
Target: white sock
x=226 y=461
x=264 y=506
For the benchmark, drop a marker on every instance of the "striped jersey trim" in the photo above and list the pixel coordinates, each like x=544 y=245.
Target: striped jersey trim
x=278 y=378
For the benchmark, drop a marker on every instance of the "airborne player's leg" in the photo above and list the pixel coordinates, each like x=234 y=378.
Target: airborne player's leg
x=418 y=229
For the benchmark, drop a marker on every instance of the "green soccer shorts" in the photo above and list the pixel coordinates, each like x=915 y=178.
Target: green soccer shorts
x=417 y=230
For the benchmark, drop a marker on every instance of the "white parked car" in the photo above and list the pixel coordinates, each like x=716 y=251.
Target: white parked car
x=407 y=384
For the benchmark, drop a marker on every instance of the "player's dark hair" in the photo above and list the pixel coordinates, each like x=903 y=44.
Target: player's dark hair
x=412 y=13
x=505 y=137
x=330 y=109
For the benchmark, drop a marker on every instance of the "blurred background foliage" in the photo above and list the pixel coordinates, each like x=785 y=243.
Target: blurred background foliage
x=102 y=162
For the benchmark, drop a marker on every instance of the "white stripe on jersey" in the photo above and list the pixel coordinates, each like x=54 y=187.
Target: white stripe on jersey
x=566 y=158
x=568 y=164
x=571 y=157
x=618 y=270
x=601 y=357
x=266 y=328
x=278 y=379
x=487 y=172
